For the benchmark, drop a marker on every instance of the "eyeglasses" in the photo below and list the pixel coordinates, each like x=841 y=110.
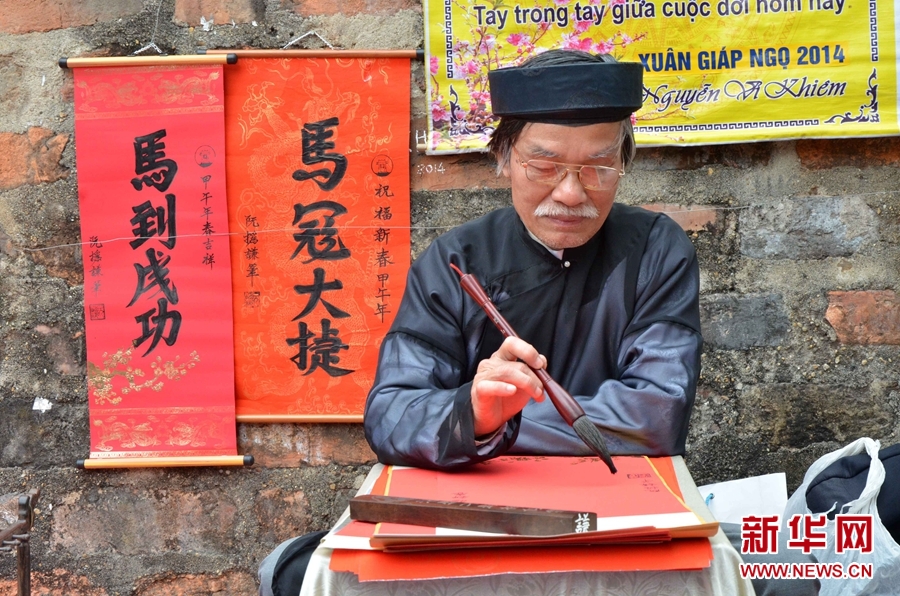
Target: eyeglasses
x=552 y=173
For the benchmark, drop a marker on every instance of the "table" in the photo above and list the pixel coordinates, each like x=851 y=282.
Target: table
x=721 y=578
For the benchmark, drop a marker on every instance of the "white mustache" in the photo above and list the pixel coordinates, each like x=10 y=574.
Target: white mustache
x=554 y=209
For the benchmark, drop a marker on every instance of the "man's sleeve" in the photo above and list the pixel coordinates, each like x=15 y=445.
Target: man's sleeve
x=645 y=409
x=419 y=410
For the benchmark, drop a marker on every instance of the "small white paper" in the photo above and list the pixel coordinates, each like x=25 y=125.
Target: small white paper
x=730 y=501
x=42 y=405
x=206 y=24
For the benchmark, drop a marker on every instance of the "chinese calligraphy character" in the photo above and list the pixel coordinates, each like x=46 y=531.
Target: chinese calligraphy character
x=381 y=309
x=148 y=222
x=252 y=271
x=383 y=190
x=319 y=241
x=383 y=258
x=383 y=213
x=323 y=350
x=315 y=291
x=382 y=235
x=160 y=321
x=150 y=157
x=209 y=259
x=154 y=275
x=315 y=146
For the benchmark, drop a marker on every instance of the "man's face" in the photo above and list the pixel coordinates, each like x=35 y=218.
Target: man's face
x=565 y=215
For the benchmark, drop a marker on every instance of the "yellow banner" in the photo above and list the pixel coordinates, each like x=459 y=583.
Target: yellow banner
x=715 y=71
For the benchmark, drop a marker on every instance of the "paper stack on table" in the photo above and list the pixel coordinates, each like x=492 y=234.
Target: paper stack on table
x=642 y=522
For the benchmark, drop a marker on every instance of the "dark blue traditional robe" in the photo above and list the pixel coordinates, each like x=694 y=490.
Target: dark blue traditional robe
x=617 y=318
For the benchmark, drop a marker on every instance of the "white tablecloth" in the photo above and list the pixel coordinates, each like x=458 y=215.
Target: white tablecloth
x=721 y=578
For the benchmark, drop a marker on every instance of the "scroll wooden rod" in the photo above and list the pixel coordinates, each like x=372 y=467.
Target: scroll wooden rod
x=164 y=462
x=224 y=58
x=291 y=418
x=251 y=53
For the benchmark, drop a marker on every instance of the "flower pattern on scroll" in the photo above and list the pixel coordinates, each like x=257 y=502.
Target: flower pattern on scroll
x=118 y=365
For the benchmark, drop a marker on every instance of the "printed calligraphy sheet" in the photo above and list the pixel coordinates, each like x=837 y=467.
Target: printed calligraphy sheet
x=157 y=270
x=318 y=183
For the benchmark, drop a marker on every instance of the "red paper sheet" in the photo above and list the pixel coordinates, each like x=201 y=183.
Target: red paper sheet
x=157 y=271
x=690 y=553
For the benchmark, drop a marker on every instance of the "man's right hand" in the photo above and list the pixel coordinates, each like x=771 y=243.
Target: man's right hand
x=504 y=384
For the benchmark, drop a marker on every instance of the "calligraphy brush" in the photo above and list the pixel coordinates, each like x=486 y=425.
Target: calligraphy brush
x=565 y=404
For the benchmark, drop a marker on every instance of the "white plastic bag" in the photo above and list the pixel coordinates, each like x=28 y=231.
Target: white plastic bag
x=885 y=555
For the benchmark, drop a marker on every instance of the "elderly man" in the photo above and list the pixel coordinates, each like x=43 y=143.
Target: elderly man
x=604 y=296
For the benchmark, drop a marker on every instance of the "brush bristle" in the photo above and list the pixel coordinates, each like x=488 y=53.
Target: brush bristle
x=593 y=439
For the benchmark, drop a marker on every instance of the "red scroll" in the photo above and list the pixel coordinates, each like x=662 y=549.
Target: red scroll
x=151 y=185
x=318 y=198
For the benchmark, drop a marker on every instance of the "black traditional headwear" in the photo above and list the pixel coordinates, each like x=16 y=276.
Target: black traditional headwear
x=577 y=93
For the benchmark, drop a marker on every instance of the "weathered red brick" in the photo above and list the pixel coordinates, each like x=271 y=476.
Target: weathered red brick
x=61 y=350
x=229 y=583
x=865 y=317
x=292 y=445
x=139 y=522
x=220 y=11
x=62 y=261
x=27 y=16
x=692 y=218
x=822 y=154
x=31 y=157
x=281 y=515
x=58 y=582
x=342 y=444
x=349 y=7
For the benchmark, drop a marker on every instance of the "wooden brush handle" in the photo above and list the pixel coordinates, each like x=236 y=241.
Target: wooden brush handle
x=562 y=400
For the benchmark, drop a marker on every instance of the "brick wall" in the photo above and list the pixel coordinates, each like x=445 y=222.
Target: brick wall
x=798 y=244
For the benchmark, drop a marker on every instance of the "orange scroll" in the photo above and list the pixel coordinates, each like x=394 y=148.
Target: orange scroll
x=151 y=185
x=318 y=199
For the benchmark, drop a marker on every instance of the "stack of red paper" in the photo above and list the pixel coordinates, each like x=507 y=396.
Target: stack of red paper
x=643 y=524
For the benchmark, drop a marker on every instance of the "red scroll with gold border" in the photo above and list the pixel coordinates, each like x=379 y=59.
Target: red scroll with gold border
x=318 y=198
x=157 y=270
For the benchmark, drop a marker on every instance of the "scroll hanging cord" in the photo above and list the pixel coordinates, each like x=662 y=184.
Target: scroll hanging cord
x=152 y=45
x=308 y=33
